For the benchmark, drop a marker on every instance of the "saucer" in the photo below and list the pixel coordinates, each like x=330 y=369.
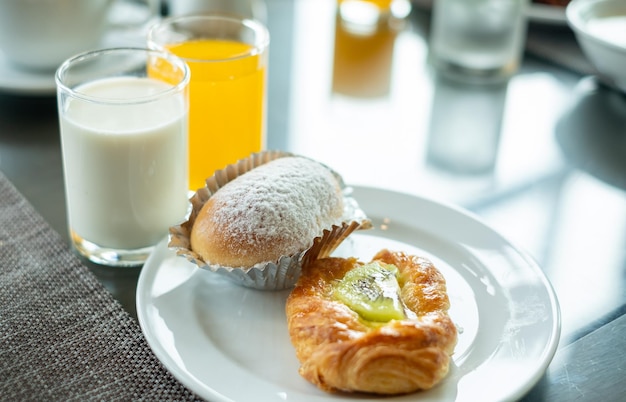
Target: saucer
x=19 y=81
x=25 y=82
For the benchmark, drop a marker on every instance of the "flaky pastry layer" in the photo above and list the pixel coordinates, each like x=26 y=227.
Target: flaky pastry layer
x=339 y=351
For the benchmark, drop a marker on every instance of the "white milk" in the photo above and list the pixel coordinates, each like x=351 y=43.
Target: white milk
x=125 y=165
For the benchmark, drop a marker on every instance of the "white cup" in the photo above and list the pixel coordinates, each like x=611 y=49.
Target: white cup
x=41 y=34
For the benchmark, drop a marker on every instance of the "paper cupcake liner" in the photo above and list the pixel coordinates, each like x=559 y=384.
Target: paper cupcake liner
x=275 y=275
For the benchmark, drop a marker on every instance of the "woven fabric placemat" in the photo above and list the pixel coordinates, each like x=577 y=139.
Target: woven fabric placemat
x=62 y=334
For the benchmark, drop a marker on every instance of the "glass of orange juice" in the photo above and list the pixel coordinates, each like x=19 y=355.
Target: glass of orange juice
x=381 y=4
x=228 y=59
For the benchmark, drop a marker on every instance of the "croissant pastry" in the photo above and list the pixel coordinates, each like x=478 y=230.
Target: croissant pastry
x=381 y=327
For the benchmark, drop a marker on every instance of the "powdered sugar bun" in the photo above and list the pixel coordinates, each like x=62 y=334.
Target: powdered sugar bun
x=276 y=209
x=303 y=216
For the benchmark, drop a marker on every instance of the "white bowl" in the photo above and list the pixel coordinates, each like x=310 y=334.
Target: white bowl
x=600 y=26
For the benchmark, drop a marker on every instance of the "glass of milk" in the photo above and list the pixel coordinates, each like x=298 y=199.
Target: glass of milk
x=478 y=40
x=124 y=143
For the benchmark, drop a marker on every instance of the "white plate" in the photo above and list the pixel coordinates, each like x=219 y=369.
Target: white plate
x=540 y=13
x=231 y=343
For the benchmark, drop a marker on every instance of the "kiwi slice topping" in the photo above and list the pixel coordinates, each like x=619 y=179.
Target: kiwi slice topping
x=372 y=291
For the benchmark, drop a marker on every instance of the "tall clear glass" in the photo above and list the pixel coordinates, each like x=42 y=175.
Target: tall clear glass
x=478 y=40
x=228 y=58
x=124 y=143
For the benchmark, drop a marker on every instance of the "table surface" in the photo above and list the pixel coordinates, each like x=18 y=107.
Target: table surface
x=541 y=158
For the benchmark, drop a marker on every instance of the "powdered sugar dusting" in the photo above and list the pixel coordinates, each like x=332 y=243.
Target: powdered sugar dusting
x=290 y=200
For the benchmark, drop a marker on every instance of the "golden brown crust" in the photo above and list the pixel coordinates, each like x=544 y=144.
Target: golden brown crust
x=273 y=210
x=340 y=352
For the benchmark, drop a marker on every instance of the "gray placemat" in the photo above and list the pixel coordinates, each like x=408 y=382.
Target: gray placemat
x=62 y=335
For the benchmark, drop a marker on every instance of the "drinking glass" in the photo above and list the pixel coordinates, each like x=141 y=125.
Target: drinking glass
x=478 y=39
x=228 y=59
x=362 y=60
x=124 y=144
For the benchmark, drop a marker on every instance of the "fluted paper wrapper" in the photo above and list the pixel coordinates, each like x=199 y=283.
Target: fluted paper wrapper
x=274 y=275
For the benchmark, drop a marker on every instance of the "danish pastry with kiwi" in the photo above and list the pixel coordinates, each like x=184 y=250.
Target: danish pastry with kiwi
x=380 y=327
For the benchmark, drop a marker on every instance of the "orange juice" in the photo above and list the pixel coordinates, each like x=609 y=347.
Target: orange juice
x=381 y=4
x=227 y=103
x=363 y=59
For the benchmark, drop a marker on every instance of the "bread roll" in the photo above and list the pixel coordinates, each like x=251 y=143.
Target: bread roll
x=342 y=350
x=273 y=210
